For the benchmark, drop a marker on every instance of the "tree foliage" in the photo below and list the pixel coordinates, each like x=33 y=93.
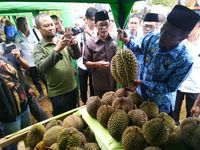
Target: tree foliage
x=167 y=3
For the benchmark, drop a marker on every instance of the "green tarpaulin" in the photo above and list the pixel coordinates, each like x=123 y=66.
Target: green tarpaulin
x=120 y=8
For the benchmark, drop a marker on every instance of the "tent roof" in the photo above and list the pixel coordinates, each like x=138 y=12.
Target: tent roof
x=120 y=8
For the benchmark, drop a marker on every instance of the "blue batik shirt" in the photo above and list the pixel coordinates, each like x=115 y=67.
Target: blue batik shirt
x=161 y=72
x=133 y=45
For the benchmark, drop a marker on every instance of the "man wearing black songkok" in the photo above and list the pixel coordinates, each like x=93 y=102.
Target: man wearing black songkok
x=98 y=53
x=166 y=61
x=150 y=22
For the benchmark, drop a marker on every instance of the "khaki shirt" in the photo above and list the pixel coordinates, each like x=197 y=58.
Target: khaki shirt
x=97 y=50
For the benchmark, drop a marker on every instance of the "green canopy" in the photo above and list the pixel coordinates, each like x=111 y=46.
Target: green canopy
x=120 y=8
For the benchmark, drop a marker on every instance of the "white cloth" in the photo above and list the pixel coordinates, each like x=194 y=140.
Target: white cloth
x=192 y=83
x=26 y=45
x=80 y=38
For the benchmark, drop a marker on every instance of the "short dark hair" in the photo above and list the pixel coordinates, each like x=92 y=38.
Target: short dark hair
x=37 y=19
x=135 y=16
x=54 y=17
x=21 y=24
x=90 y=12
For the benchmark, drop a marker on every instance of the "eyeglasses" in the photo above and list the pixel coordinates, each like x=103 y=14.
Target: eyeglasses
x=101 y=25
x=148 y=26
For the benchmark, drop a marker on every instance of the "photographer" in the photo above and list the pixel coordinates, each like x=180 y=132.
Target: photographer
x=53 y=56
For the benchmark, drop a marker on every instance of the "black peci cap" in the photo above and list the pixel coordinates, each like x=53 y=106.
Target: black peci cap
x=101 y=16
x=183 y=18
x=151 y=17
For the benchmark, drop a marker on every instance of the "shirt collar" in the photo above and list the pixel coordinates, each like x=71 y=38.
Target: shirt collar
x=97 y=39
x=44 y=43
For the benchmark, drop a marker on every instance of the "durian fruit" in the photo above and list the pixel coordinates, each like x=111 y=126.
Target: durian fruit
x=89 y=135
x=152 y=148
x=117 y=123
x=68 y=137
x=174 y=142
x=74 y=121
x=121 y=92
x=136 y=98
x=124 y=67
x=123 y=103
x=133 y=138
x=50 y=136
x=155 y=131
x=82 y=138
x=150 y=108
x=137 y=117
x=190 y=129
x=40 y=146
x=91 y=146
x=35 y=135
x=190 y=120
x=108 y=98
x=92 y=105
x=54 y=147
x=103 y=114
x=53 y=123
x=113 y=69
x=169 y=121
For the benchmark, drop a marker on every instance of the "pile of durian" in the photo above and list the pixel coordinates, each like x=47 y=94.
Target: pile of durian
x=139 y=125
x=70 y=134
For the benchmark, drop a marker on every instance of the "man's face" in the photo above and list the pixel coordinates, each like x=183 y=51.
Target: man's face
x=149 y=27
x=102 y=28
x=58 y=25
x=133 y=24
x=90 y=22
x=47 y=27
x=26 y=28
x=170 y=36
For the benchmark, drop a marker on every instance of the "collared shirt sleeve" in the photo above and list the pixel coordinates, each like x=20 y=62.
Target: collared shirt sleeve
x=74 y=51
x=43 y=62
x=138 y=46
x=182 y=70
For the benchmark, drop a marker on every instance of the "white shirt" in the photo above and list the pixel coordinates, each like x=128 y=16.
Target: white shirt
x=80 y=38
x=26 y=45
x=192 y=83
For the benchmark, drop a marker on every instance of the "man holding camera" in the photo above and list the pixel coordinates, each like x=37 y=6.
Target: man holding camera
x=53 y=57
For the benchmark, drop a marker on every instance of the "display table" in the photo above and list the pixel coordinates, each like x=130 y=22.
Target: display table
x=103 y=138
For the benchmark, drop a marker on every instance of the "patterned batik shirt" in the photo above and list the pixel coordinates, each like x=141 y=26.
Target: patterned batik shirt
x=161 y=71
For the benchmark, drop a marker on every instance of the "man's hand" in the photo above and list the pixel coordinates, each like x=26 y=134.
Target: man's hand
x=195 y=111
x=73 y=41
x=103 y=64
x=31 y=92
x=16 y=53
x=62 y=43
x=134 y=86
x=123 y=36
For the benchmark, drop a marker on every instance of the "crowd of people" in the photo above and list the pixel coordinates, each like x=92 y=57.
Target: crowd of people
x=166 y=49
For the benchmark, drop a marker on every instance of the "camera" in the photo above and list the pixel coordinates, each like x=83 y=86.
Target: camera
x=9 y=47
x=77 y=30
